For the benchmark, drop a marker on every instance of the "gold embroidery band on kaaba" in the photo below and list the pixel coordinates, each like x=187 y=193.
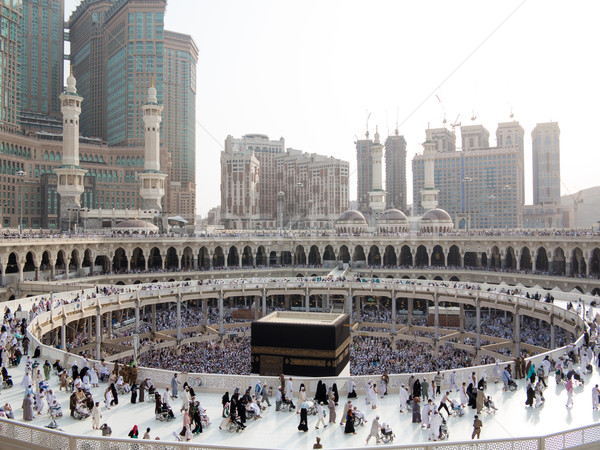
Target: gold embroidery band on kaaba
x=302 y=352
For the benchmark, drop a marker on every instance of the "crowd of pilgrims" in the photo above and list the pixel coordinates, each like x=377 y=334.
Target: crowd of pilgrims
x=421 y=394
x=368 y=355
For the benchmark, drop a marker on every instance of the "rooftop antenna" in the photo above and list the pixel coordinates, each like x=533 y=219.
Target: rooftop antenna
x=474 y=116
x=512 y=116
x=367 y=133
x=397 y=113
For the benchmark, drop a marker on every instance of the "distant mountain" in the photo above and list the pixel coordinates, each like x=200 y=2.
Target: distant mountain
x=588 y=212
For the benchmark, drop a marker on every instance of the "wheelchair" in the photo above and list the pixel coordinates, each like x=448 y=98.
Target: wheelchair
x=165 y=414
x=234 y=426
x=444 y=434
x=81 y=413
x=386 y=436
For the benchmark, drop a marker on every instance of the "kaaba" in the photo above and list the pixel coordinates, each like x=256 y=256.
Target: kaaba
x=300 y=343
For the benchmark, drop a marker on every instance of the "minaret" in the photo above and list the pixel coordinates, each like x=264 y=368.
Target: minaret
x=429 y=194
x=70 y=175
x=152 y=180
x=376 y=194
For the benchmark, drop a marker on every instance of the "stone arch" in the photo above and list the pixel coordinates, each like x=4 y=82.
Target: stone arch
x=87 y=258
x=119 y=260
x=155 y=259
x=389 y=257
x=454 y=259
x=247 y=257
x=187 y=259
x=273 y=258
x=74 y=260
x=421 y=258
x=172 y=259
x=45 y=263
x=495 y=258
x=203 y=258
x=406 y=258
x=541 y=260
x=138 y=260
x=61 y=260
x=300 y=255
x=286 y=258
x=29 y=265
x=374 y=256
x=233 y=258
x=559 y=262
x=261 y=256
x=359 y=254
x=510 y=261
x=344 y=254
x=218 y=257
x=454 y=278
x=102 y=261
x=526 y=262
x=470 y=259
x=314 y=256
x=328 y=254
x=438 y=258
x=578 y=266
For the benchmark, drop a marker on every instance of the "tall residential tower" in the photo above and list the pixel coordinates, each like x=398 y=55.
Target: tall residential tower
x=395 y=171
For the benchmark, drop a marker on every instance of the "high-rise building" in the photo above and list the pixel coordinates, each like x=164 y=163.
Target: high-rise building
x=86 y=37
x=395 y=171
x=546 y=211
x=179 y=131
x=120 y=48
x=364 y=172
x=545 y=139
x=181 y=58
x=265 y=151
x=41 y=53
x=134 y=59
x=265 y=185
x=313 y=190
x=479 y=186
x=10 y=16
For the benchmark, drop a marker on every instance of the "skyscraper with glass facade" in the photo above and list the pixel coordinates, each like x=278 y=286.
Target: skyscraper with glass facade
x=10 y=16
x=118 y=49
x=41 y=53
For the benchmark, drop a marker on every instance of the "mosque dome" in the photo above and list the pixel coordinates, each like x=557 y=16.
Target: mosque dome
x=135 y=226
x=392 y=221
x=351 y=216
x=393 y=215
x=435 y=221
x=351 y=222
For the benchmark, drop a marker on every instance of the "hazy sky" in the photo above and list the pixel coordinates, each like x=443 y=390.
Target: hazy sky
x=310 y=70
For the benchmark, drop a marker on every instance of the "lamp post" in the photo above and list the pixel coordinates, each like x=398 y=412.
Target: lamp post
x=21 y=175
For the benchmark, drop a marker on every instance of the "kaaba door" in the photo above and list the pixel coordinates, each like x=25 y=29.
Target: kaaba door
x=271 y=366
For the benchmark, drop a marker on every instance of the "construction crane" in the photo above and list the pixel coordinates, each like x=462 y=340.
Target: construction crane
x=456 y=123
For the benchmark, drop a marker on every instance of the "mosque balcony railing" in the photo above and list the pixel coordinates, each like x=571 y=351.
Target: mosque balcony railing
x=19 y=434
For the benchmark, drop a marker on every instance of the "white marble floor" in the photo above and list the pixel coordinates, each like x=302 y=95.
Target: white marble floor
x=278 y=429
